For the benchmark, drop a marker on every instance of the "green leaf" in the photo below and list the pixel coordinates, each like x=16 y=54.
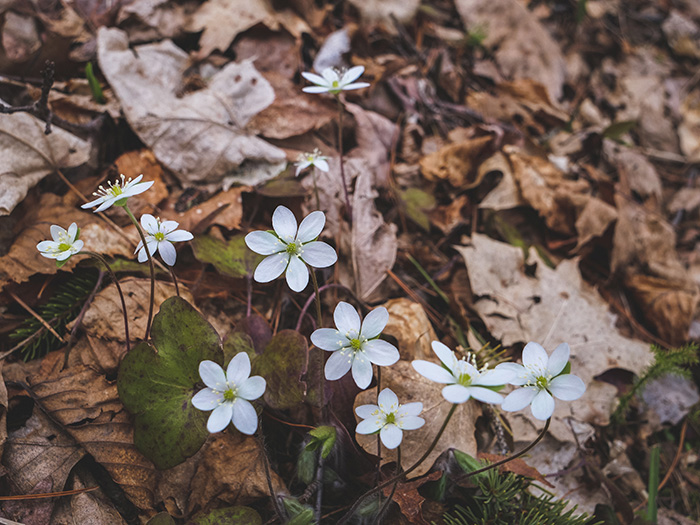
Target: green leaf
x=232 y=258
x=94 y=84
x=236 y=342
x=282 y=364
x=469 y=463
x=417 y=202
x=283 y=187
x=615 y=130
x=162 y=518
x=227 y=516
x=157 y=380
x=324 y=437
x=299 y=514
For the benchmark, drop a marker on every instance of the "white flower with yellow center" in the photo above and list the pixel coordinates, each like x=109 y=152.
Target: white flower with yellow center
x=291 y=249
x=229 y=394
x=355 y=344
x=117 y=193
x=542 y=380
x=314 y=159
x=64 y=244
x=463 y=379
x=334 y=81
x=389 y=418
x=160 y=236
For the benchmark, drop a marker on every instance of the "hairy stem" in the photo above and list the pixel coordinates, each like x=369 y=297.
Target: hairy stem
x=341 y=110
x=172 y=275
x=383 y=508
x=322 y=395
x=153 y=271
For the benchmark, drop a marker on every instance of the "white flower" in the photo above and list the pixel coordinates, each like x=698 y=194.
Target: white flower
x=355 y=346
x=117 y=193
x=334 y=81
x=64 y=244
x=541 y=377
x=291 y=249
x=229 y=394
x=390 y=418
x=160 y=236
x=314 y=159
x=463 y=379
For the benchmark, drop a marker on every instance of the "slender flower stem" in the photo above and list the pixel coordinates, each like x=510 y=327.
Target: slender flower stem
x=268 y=476
x=311 y=298
x=153 y=271
x=172 y=275
x=341 y=110
x=349 y=514
x=322 y=395
x=383 y=508
x=79 y=319
x=318 y=200
x=379 y=441
x=119 y=289
x=249 y=302
x=509 y=458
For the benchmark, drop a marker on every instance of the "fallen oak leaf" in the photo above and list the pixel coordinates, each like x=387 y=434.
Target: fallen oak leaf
x=516 y=466
x=409 y=499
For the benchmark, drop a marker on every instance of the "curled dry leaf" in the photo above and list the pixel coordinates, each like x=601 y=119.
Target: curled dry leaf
x=409 y=324
x=29 y=155
x=410 y=386
x=689 y=129
x=456 y=163
x=409 y=499
x=205 y=124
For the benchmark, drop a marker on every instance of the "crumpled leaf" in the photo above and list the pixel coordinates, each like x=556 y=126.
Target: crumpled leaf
x=232 y=258
x=410 y=386
x=157 y=381
x=237 y=515
x=689 y=129
x=556 y=305
x=385 y=11
x=523 y=48
x=200 y=136
x=409 y=499
x=670 y=398
x=456 y=162
x=28 y=155
x=410 y=325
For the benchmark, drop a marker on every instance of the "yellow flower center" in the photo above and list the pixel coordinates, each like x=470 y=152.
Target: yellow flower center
x=355 y=344
x=64 y=247
x=229 y=395
x=159 y=236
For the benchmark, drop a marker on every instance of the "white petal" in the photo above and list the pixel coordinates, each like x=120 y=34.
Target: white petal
x=328 y=339
x=297 y=274
x=106 y=203
x=142 y=257
x=558 y=359
x=391 y=436
x=543 y=405
x=77 y=246
x=520 y=373
x=220 y=418
x=380 y=352
x=92 y=204
x=369 y=426
x=72 y=232
x=311 y=77
x=319 y=254
x=519 y=399
x=356 y=85
x=57 y=232
x=167 y=252
x=446 y=356
x=495 y=377
x=136 y=189
x=149 y=223
x=456 y=393
x=207 y=399
x=63 y=255
x=485 y=395
x=388 y=400
x=46 y=246
x=252 y=388
x=330 y=75
x=362 y=372
x=338 y=364
x=315 y=89
x=346 y=318
x=179 y=236
x=322 y=164
x=352 y=74
x=367 y=411
x=212 y=375
x=411 y=409
x=271 y=267
x=567 y=387
x=374 y=322
x=432 y=371
x=238 y=369
x=284 y=223
x=167 y=227
x=244 y=417
x=534 y=356
x=311 y=226
x=264 y=243
x=412 y=422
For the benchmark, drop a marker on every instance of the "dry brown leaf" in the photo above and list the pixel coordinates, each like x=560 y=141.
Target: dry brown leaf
x=523 y=48
x=201 y=136
x=20 y=37
x=551 y=307
x=685 y=199
x=593 y=220
x=689 y=129
x=682 y=34
x=516 y=466
x=409 y=499
x=225 y=209
x=385 y=11
x=143 y=162
x=28 y=155
x=151 y=20
x=3 y=412
x=456 y=163
x=409 y=324
x=636 y=172
x=505 y=195
x=231 y=470
x=410 y=386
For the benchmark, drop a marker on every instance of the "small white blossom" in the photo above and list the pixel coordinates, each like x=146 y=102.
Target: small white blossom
x=117 y=193
x=64 y=244
x=334 y=81
x=291 y=249
x=390 y=418
x=355 y=346
x=229 y=394
x=314 y=159
x=541 y=377
x=159 y=237
x=463 y=379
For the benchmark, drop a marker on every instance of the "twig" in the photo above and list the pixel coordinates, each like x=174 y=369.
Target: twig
x=311 y=298
x=36 y=316
x=79 y=319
